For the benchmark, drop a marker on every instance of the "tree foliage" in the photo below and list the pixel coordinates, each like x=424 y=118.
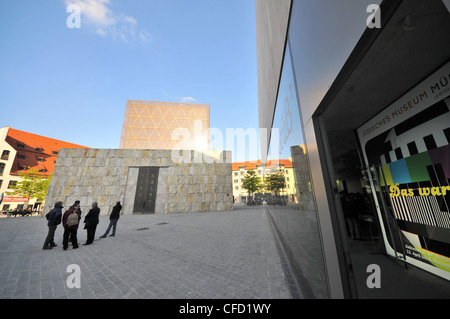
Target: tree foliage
x=275 y=182
x=252 y=182
x=32 y=185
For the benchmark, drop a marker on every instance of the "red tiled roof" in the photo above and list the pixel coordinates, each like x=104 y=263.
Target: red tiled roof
x=34 y=158
x=254 y=164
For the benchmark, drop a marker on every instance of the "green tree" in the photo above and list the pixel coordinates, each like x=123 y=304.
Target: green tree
x=32 y=185
x=252 y=182
x=275 y=182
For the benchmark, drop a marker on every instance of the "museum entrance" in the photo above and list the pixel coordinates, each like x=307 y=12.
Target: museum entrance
x=384 y=135
x=147 y=184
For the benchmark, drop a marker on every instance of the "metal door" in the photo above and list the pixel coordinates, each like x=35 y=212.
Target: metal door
x=147 y=183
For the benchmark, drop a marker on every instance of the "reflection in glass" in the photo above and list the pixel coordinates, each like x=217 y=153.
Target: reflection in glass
x=412 y=185
x=382 y=170
x=293 y=211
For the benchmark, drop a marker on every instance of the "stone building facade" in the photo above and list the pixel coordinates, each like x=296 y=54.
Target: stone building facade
x=303 y=184
x=183 y=181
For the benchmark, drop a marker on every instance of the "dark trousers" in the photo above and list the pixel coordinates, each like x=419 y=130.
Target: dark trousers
x=90 y=233
x=113 y=224
x=50 y=240
x=72 y=233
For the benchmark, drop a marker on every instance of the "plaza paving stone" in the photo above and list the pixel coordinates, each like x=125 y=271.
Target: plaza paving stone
x=224 y=255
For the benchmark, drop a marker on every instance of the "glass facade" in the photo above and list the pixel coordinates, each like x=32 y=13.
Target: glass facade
x=392 y=180
x=363 y=114
x=296 y=222
x=406 y=150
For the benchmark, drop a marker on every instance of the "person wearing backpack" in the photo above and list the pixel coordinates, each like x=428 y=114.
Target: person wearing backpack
x=71 y=220
x=77 y=202
x=54 y=219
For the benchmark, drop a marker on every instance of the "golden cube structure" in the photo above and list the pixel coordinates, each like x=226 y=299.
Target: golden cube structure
x=165 y=125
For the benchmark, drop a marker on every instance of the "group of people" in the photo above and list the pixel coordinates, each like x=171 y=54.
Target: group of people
x=70 y=220
x=20 y=212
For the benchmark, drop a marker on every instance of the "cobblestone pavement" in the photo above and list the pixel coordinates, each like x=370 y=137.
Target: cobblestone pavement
x=226 y=255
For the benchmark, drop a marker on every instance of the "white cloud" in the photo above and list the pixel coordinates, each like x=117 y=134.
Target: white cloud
x=145 y=36
x=130 y=20
x=187 y=99
x=101 y=32
x=96 y=14
x=95 y=11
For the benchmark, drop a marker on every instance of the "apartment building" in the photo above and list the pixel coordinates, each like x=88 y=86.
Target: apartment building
x=240 y=169
x=20 y=152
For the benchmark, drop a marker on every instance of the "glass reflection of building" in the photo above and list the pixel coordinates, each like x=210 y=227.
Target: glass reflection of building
x=364 y=115
x=297 y=225
x=240 y=169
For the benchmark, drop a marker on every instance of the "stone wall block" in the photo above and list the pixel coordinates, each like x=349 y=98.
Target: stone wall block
x=109 y=175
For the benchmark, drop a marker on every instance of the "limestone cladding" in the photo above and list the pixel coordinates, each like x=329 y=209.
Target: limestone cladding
x=199 y=182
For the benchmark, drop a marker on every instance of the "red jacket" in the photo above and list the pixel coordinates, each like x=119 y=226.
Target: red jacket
x=66 y=214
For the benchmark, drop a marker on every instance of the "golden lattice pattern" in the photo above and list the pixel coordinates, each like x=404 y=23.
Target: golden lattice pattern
x=151 y=125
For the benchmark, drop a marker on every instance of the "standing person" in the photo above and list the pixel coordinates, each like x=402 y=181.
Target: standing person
x=77 y=202
x=113 y=219
x=91 y=220
x=54 y=219
x=71 y=220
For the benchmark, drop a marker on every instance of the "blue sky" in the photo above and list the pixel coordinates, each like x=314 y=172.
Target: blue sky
x=73 y=84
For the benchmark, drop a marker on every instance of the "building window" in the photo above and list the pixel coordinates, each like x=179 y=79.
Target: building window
x=2 y=168
x=12 y=184
x=236 y=180
x=21 y=156
x=236 y=173
x=55 y=152
x=21 y=168
x=236 y=187
x=20 y=145
x=42 y=170
x=5 y=155
x=40 y=159
x=39 y=149
x=1 y=183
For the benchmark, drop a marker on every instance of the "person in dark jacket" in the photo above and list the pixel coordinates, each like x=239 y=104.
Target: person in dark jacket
x=91 y=221
x=54 y=219
x=77 y=202
x=113 y=219
x=71 y=230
